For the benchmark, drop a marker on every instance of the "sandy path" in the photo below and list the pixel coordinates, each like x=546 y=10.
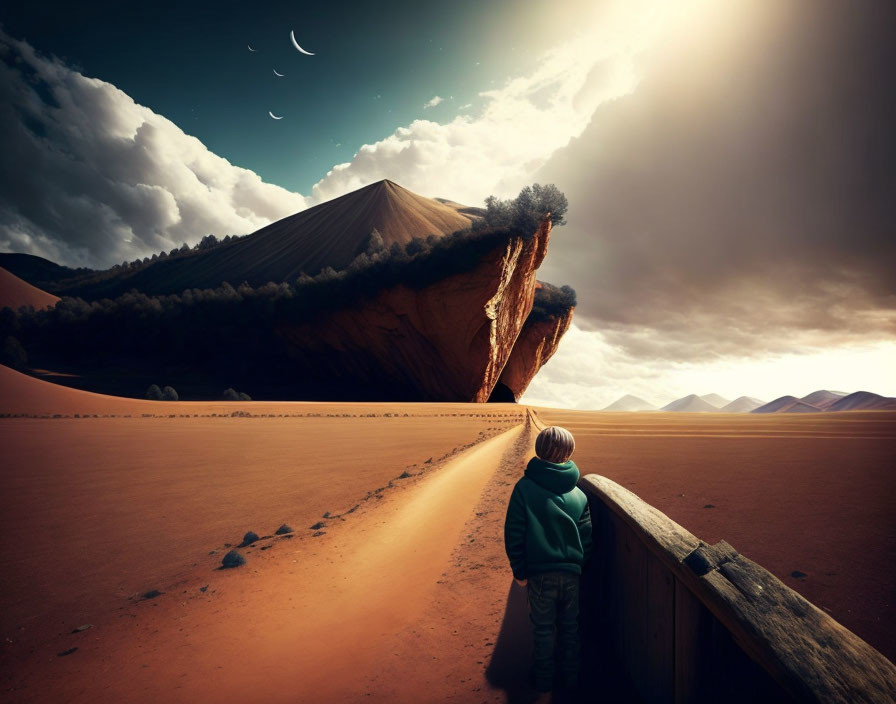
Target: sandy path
x=311 y=625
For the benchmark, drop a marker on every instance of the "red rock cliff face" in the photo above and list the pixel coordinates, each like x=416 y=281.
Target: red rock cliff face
x=448 y=342
x=535 y=345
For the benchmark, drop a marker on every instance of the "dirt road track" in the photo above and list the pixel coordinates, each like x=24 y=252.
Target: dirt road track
x=315 y=624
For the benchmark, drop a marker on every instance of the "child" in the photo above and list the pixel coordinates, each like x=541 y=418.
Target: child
x=547 y=537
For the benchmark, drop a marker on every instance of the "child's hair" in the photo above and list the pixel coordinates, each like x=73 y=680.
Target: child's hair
x=554 y=444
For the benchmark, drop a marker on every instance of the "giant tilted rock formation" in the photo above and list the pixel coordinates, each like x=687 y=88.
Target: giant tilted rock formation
x=535 y=345
x=407 y=317
x=449 y=341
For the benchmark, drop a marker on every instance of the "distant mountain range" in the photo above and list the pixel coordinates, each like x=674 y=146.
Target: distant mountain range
x=816 y=402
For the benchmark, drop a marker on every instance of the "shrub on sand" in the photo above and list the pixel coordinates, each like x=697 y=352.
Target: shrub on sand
x=154 y=393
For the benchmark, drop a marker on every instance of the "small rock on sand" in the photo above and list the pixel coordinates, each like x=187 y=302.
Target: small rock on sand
x=283 y=529
x=249 y=538
x=233 y=559
x=67 y=652
x=798 y=574
x=83 y=628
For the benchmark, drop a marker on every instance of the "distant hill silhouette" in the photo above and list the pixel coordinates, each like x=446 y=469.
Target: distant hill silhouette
x=37 y=271
x=716 y=400
x=331 y=234
x=690 y=404
x=630 y=403
x=823 y=398
x=743 y=404
x=829 y=401
x=777 y=405
x=863 y=401
x=786 y=404
x=800 y=407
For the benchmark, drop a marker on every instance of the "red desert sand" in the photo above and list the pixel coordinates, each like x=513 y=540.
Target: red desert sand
x=14 y=292
x=403 y=592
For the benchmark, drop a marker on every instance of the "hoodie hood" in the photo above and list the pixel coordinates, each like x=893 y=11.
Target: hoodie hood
x=558 y=478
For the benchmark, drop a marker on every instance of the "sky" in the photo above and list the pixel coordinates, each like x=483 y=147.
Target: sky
x=729 y=165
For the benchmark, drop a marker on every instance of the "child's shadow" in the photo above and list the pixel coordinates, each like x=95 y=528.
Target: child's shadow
x=509 y=666
x=508 y=669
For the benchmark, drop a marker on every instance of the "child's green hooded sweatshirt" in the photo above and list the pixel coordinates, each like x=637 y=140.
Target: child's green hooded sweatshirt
x=548 y=524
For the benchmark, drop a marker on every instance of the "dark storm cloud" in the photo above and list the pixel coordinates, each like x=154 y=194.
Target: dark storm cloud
x=88 y=177
x=743 y=197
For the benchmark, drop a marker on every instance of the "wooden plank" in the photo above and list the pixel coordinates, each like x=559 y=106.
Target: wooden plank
x=735 y=677
x=635 y=604
x=805 y=650
x=622 y=592
x=660 y=632
x=615 y=593
x=692 y=634
x=663 y=536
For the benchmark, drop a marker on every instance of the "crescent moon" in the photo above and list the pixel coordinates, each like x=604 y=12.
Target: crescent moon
x=277 y=74
x=274 y=116
x=250 y=48
x=292 y=36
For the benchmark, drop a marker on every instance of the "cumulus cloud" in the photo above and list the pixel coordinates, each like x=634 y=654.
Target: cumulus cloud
x=740 y=201
x=91 y=178
x=433 y=102
x=520 y=124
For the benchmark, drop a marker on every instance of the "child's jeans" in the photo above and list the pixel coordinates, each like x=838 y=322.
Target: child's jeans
x=554 y=600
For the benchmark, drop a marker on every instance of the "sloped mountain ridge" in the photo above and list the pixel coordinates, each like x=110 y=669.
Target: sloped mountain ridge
x=330 y=234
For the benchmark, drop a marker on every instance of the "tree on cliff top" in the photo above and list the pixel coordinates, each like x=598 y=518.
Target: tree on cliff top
x=527 y=210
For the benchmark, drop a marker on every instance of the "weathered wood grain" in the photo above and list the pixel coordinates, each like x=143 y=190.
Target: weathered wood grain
x=810 y=656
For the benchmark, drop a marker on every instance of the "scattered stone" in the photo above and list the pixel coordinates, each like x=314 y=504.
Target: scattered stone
x=326 y=514
x=320 y=532
x=83 y=628
x=233 y=559
x=798 y=574
x=67 y=652
x=318 y=525
x=212 y=552
x=429 y=461
x=249 y=538
x=283 y=529
x=405 y=474
x=709 y=506
x=152 y=594
x=288 y=535
x=202 y=589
